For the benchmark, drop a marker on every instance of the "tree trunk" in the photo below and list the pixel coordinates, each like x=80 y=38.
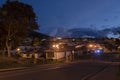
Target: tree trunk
x=3 y=52
x=8 y=49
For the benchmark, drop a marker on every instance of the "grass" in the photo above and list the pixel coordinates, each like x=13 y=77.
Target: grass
x=9 y=62
x=6 y=62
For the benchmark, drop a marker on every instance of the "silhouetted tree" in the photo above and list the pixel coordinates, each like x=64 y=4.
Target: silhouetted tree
x=17 y=20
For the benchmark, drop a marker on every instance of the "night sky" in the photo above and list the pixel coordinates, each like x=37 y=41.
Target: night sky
x=98 y=14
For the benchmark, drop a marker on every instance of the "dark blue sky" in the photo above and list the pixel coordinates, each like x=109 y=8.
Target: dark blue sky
x=96 y=14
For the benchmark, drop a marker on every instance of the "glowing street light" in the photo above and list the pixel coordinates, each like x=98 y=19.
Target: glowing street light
x=53 y=46
x=18 y=49
x=90 y=45
x=56 y=46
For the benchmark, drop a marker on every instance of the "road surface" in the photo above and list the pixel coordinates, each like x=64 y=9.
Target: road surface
x=83 y=70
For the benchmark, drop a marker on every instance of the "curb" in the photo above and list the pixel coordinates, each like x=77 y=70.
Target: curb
x=12 y=69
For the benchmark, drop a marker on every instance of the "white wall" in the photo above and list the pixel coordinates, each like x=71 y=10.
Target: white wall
x=59 y=55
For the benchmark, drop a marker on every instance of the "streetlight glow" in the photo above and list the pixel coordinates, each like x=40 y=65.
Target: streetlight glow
x=56 y=46
x=90 y=45
x=18 y=49
x=53 y=46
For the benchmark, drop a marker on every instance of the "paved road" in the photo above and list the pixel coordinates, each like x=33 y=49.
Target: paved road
x=110 y=73
x=75 y=71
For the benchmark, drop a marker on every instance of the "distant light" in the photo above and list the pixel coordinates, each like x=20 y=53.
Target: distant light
x=56 y=46
x=100 y=48
x=60 y=43
x=119 y=47
x=78 y=46
x=18 y=49
x=53 y=46
x=73 y=39
x=59 y=38
x=95 y=46
x=98 y=51
x=90 y=45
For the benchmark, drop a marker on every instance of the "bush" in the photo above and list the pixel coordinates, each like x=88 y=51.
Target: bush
x=6 y=62
x=9 y=62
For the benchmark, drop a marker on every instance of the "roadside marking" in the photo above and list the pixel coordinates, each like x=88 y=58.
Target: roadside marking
x=57 y=67
x=52 y=68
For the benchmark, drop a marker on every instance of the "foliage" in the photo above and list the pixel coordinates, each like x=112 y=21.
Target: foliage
x=36 y=42
x=17 y=20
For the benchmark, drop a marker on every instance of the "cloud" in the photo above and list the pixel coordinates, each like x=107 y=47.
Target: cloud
x=88 y=32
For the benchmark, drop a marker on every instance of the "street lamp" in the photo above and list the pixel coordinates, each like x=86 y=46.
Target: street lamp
x=56 y=46
x=18 y=49
x=90 y=45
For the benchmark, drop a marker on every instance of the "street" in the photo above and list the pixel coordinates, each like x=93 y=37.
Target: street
x=82 y=70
